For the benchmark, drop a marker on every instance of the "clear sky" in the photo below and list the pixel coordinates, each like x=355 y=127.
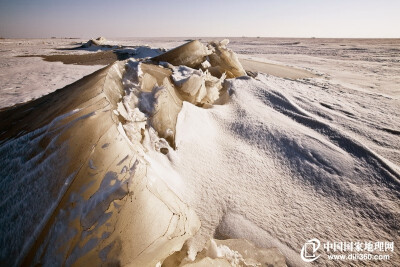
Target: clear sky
x=199 y=18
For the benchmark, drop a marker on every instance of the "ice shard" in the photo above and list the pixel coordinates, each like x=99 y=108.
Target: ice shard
x=196 y=86
x=191 y=54
x=224 y=60
x=165 y=112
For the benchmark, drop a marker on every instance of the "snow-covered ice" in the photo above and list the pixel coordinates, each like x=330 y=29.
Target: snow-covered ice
x=280 y=162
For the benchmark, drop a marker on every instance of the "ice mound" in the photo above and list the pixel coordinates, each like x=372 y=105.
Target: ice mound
x=79 y=175
x=95 y=42
x=103 y=172
x=86 y=198
x=98 y=43
x=183 y=75
x=215 y=56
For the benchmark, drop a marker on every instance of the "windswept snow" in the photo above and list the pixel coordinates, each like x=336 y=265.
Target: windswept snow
x=286 y=173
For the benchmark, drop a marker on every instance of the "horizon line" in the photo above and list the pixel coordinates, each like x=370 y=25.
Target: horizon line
x=200 y=37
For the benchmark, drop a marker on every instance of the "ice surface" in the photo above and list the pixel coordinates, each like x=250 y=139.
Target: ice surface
x=26 y=78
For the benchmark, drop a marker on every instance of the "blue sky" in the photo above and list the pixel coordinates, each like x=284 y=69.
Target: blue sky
x=179 y=18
